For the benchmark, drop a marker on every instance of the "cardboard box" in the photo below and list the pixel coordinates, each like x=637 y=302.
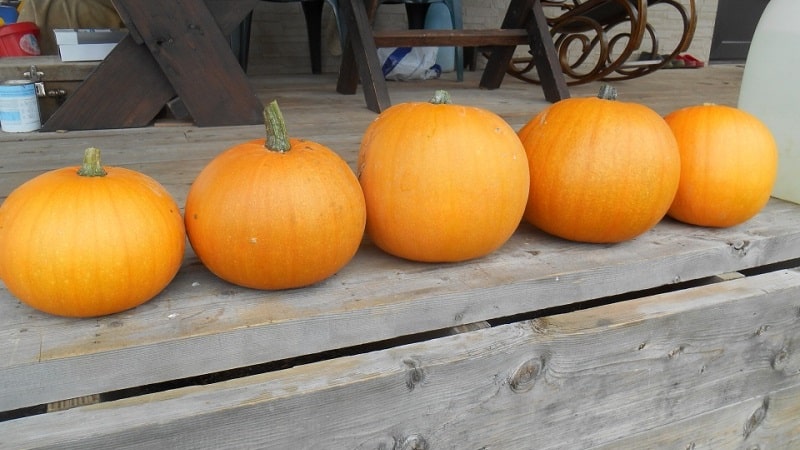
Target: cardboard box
x=89 y=44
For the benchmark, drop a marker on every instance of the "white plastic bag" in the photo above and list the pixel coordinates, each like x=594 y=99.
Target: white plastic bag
x=409 y=63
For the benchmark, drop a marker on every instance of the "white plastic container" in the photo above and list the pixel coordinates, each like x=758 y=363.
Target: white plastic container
x=19 y=107
x=770 y=89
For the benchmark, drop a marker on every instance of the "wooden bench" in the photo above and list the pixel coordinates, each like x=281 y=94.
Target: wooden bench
x=176 y=54
x=686 y=338
x=524 y=23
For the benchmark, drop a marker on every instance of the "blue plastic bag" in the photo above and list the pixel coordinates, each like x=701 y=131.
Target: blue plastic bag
x=409 y=63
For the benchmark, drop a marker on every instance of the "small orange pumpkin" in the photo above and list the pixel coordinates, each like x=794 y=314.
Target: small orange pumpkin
x=729 y=163
x=442 y=182
x=89 y=241
x=602 y=170
x=278 y=213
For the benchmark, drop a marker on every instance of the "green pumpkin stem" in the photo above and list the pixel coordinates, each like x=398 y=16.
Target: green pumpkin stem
x=91 y=166
x=277 y=136
x=607 y=92
x=440 y=97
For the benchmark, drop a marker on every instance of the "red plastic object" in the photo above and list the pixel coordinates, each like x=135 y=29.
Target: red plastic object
x=690 y=61
x=19 y=39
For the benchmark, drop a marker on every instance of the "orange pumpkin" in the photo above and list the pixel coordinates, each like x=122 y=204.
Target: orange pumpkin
x=602 y=170
x=89 y=241
x=442 y=182
x=729 y=163
x=277 y=213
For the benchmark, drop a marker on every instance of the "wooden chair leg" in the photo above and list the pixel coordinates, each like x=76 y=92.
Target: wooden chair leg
x=312 y=10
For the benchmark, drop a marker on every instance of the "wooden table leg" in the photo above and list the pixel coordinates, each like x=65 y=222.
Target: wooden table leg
x=194 y=55
x=360 y=56
x=529 y=14
x=360 y=59
x=176 y=47
x=124 y=91
x=545 y=57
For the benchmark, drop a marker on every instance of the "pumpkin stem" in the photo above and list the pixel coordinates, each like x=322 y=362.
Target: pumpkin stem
x=277 y=136
x=440 y=97
x=607 y=92
x=91 y=166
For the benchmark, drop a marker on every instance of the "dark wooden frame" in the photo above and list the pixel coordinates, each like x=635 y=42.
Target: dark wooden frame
x=524 y=23
x=175 y=55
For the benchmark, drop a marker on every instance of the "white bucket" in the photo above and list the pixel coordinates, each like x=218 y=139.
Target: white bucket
x=770 y=90
x=19 y=107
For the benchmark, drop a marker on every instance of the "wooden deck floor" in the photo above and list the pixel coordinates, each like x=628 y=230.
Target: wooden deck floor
x=685 y=337
x=315 y=111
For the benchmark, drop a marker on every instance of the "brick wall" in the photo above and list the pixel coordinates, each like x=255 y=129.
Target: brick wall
x=279 y=44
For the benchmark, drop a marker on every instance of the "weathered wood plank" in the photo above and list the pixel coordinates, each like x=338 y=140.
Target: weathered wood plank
x=580 y=380
x=14 y=68
x=376 y=297
x=207 y=325
x=308 y=101
x=766 y=421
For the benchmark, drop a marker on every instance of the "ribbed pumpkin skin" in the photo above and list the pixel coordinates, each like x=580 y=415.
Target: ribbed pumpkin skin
x=602 y=171
x=729 y=165
x=442 y=182
x=268 y=220
x=89 y=246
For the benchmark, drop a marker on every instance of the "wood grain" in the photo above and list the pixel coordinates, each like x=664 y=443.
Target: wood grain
x=713 y=366
x=631 y=373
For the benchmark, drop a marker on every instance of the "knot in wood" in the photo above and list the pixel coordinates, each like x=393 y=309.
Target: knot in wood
x=786 y=360
x=414 y=375
x=523 y=379
x=779 y=361
x=740 y=247
x=414 y=442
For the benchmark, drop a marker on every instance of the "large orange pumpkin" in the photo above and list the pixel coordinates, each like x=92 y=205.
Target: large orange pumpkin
x=277 y=213
x=442 y=182
x=729 y=162
x=89 y=241
x=602 y=170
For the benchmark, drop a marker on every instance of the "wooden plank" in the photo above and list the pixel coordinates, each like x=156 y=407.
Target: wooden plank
x=14 y=68
x=766 y=421
x=205 y=325
x=593 y=378
x=56 y=75
x=174 y=156
x=438 y=38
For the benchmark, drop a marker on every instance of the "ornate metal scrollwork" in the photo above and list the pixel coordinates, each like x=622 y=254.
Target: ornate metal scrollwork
x=596 y=39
